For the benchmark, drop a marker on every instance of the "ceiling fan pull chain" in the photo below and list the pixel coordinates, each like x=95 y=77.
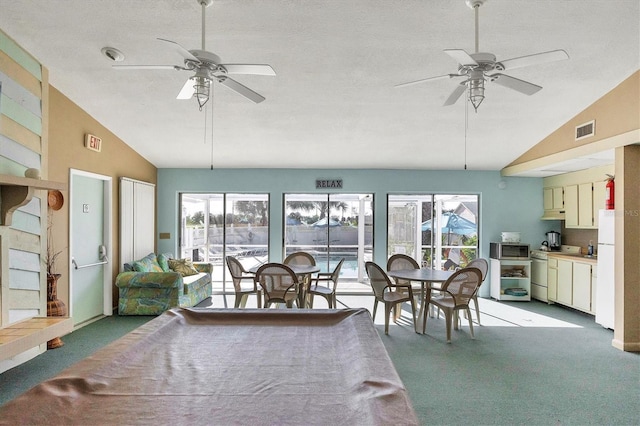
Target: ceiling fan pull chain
x=205 y=125
x=466 y=126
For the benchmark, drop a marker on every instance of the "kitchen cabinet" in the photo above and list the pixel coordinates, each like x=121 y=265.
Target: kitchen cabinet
x=582 y=202
x=599 y=192
x=553 y=198
x=585 y=205
x=581 y=291
x=594 y=286
x=553 y=203
x=565 y=282
x=552 y=279
x=511 y=279
x=572 y=282
x=571 y=206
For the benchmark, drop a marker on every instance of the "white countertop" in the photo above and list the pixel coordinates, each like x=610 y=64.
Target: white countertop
x=576 y=257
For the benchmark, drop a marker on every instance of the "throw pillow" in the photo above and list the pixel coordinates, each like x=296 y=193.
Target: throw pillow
x=183 y=266
x=163 y=261
x=149 y=263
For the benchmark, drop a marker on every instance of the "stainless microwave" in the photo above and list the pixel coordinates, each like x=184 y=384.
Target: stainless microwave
x=507 y=251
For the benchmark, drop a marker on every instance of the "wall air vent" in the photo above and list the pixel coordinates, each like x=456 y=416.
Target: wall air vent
x=586 y=130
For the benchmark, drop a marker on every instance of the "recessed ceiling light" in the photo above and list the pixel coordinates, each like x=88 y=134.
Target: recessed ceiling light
x=113 y=54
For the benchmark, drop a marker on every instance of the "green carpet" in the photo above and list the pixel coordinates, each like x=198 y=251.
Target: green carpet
x=77 y=345
x=558 y=368
x=530 y=364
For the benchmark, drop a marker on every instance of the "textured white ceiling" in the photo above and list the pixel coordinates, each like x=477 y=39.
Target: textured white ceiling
x=333 y=103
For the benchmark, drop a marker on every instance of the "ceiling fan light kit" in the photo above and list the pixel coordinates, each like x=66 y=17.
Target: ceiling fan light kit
x=202 y=89
x=208 y=67
x=479 y=67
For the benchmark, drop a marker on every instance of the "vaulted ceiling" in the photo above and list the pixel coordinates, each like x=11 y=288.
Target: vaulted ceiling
x=333 y=103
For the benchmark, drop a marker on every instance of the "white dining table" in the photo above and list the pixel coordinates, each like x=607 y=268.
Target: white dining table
x=428 y=278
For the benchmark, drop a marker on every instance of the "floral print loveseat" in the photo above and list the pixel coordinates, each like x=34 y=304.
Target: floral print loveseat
x=156 y=283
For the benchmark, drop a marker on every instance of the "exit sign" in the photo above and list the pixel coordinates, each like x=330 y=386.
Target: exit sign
x=92 y=142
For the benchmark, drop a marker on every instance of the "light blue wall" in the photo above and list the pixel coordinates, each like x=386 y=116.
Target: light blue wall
x=517 y=207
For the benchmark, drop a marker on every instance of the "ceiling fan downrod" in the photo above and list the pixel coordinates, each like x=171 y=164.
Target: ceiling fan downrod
x=204 y=4
x=475 y=5
x=476 y=78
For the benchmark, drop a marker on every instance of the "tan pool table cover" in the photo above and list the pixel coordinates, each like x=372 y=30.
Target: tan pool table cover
x=226 y=367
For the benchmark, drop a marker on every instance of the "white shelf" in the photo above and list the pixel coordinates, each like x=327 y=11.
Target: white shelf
x=501 y=279
x=16 y=191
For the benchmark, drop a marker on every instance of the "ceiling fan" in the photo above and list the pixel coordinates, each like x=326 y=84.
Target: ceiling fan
x=478 y=67
x=208 y=68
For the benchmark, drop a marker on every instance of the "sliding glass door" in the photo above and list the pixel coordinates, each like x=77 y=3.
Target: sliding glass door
x=438 y=230
x=214 y=226
x=331 y=227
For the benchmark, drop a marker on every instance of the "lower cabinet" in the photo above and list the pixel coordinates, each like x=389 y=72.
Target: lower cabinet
x=572 y=283
x=565 y=282
x=594 y=286
x=582 y=286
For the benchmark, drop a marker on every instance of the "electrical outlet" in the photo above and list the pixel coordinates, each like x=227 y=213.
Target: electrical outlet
x=85 y=208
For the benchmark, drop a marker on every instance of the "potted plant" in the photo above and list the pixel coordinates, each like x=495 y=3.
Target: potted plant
x=55 y=307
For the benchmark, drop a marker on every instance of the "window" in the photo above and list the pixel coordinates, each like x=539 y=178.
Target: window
x=439 y=231
x=331 y=227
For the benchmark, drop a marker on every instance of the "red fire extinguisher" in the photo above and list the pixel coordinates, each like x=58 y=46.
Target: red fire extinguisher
x=609 y=198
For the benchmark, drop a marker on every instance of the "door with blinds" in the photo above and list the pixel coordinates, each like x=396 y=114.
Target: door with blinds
x=137 y=220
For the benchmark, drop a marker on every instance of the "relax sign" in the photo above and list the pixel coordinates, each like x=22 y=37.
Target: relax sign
x=328 y=183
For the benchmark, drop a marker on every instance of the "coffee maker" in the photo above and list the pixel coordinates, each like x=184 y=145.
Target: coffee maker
x=553 y=240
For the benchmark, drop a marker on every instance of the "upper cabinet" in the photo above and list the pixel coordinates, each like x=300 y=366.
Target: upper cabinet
x=599 y=196
x=553 y=200
x=582 y=203
x=571 y=206
x=581 y=193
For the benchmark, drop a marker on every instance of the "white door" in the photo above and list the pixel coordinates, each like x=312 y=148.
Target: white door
x=90 y=247
x=137 y=220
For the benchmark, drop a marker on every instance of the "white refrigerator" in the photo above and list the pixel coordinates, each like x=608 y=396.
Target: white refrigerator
x=605 y=286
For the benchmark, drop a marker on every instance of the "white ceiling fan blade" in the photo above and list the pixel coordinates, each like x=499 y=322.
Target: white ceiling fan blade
x=455 y=95
x=241 y=89
x=146 y=67
x=515 y=84
x=255 y=69
x=181 y=50
x=187 y=90
x=462 y=57
x=424 y=80
x=535 y=59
